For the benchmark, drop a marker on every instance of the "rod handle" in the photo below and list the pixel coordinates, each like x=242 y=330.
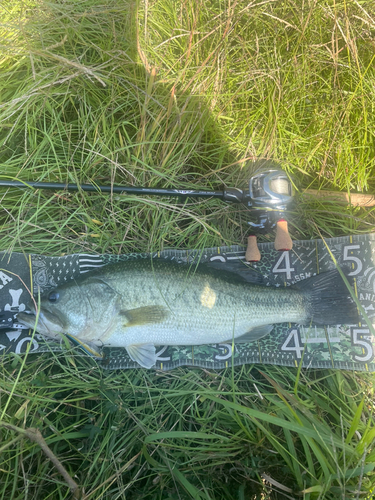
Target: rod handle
x=354 y=199
x=283 y=241
x=252 y=251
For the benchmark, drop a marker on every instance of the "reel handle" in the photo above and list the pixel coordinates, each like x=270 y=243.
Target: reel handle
x=252 y=251
x=283 y=241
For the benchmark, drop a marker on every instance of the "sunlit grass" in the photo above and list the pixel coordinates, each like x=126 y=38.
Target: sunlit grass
x=183 y=95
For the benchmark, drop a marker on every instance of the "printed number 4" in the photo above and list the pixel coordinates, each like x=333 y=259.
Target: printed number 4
x=293 y=338
x=287 y=269
x=352 y=258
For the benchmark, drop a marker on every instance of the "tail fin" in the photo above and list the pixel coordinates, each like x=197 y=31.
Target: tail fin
x=329 y=300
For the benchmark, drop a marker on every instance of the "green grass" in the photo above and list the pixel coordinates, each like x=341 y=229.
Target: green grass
x=192 y=98
x=189 y=433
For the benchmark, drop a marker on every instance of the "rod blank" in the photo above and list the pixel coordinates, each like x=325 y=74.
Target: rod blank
x=228 y=194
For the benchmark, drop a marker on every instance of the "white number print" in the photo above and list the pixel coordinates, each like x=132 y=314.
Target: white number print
x=226 y=352
x=355 y=260
x=33 y=347
x=287 y=269
x=293 y=338
x=159 y=356
x=361 y=337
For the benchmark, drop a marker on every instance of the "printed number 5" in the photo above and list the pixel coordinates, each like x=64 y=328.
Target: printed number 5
x=354 y=259
x=359 y=338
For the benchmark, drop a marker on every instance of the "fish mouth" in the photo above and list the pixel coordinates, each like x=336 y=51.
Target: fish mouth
x=48 y=323
x=27 y=319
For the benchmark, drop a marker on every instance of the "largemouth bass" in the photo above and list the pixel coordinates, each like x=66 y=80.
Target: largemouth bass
x=142 y=303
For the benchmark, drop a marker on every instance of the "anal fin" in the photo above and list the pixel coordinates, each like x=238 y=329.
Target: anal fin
x=253 y=334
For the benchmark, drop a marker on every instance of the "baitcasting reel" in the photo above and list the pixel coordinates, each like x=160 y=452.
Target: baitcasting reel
x=270 y=194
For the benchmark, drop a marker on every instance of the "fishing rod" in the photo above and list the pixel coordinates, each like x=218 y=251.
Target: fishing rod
x=228 y=194
x=268 y=196
x=267 y=189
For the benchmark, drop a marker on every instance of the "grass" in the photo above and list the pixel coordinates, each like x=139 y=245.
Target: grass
x=189 y=433
x=182 y=94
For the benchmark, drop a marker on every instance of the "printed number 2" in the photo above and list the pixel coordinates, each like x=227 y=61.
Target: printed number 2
x=352 y=258
x=361 y=337
x=287 y=269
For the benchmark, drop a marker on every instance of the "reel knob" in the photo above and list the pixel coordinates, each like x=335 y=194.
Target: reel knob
x=252 y=251
x=283 y=241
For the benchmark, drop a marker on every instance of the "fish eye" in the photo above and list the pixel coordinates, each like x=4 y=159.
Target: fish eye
x=53 y=297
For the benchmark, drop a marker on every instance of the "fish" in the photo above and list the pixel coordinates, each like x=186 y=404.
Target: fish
x=143 y=303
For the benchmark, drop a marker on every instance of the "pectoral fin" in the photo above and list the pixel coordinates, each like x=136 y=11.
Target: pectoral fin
x=143 y=354
x=145 y=315
x=255 y=333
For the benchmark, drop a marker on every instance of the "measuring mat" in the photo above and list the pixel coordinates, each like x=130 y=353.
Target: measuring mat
x=348 y=347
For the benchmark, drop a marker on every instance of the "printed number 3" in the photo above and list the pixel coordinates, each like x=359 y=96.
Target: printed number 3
x=352 y=258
